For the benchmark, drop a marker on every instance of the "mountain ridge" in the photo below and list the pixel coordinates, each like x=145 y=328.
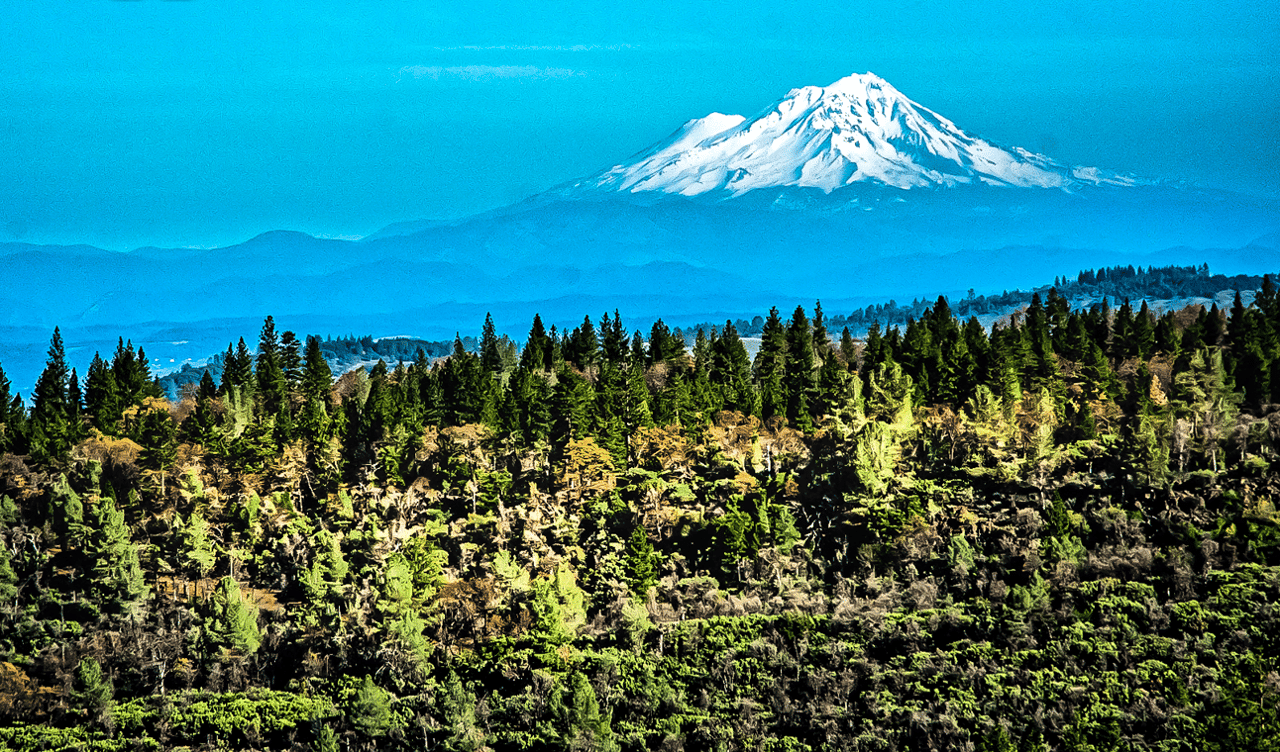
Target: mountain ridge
x=859 y=129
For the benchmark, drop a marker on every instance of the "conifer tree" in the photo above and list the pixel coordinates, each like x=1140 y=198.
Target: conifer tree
x=131 y=371
x=315 y=385
x=799 y=381
x=536 y=355
x=731 y=372
x=237 y=368
x=613 y=339
x=849 y=350
x=370 y=711
x=201 y=427
x=1214 y=327
x=1144 y=334
x=379 y=413
x=588 y=728
x=1122 y=332
x=1168 y=338
x=197 y=548
x=876 y=350
x=672 y=406
x=610 y=409
x=291 y=359
x=703 y=398
x=821 y=337
x=66 y=512
x=233 y=619
x=12 y=419
x=159 y=450
x=272 y=387
x=637 y=412
x=641 y=563
x=490 y=355
x=770 y=367
x=51 y=410
x=571 y=408
x=1042 y=366
x=8 y=578
x=326 y=740
x=93 y=691
x=583 y=348
x=461 y=386
x=117 y=573
x=531 y=397
x=102 y=396
x=663 y=345
x=639 y=352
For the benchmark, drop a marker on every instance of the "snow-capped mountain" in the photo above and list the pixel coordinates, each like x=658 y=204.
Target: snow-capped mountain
x=859 y=129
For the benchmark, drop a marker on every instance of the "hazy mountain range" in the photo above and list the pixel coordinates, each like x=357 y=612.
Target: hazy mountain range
x=851 y=193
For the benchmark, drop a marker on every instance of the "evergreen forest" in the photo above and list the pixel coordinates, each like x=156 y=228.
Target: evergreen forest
x=1059 y=533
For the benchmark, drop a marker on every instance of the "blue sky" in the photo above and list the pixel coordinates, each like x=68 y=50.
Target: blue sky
x=204 y=123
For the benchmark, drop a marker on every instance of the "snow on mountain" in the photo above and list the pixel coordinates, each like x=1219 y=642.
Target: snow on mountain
x=859 y=129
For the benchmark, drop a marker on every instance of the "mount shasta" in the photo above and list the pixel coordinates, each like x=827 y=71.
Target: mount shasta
x=851 y=193
x=859 y=129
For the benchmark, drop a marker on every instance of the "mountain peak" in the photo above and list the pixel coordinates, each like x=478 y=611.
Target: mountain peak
x=859 y=129
x=857 y=85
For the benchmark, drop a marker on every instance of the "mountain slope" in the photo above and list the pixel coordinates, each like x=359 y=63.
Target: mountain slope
x=859 y=129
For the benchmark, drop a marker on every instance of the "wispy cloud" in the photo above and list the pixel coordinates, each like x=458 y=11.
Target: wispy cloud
x=483 y=72
x=535 y=48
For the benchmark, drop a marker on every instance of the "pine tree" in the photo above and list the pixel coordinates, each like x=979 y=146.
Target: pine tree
x=821 y=337
x=1041 y=371
x=799 y=380
x=291 y=359
x=672 y=403
x=588 y=728
x=66 y=512
x=770 y=367
x=159 y=448
x=582 y=348
x=131 y=372
x=8 y=578
x=237 y=368
x=571 y=408
x=102 y=396
x=117 y=573
x=613 y=339
x=197 y=548
x=849 y=350
x=462 y=386
x=1122 y=333
x=536 y=355
x=93 y=691
x=490 y=355
x=637 y=412
x=13 y=424
x=610 y=409
x=641 y=563
x=75 y=409
x=272 y=387
x=233 y=619
x=1144 y=334
x=316 y=383
x=51 y=411
x=326 y=740
x=876 y=350
x=663 y=345
x=370 y=711
x=731 y=372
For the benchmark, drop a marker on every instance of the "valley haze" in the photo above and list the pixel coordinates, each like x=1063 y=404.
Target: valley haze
x=852 y=193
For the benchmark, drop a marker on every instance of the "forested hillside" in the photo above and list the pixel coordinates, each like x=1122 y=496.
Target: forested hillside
x=1058 y=534
x=1090 y=287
